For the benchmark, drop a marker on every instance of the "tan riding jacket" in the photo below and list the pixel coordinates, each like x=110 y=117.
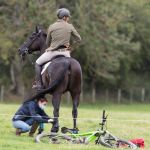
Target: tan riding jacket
x=60 y=33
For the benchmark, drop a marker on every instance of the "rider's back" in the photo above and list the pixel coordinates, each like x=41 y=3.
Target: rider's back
x=60 y=33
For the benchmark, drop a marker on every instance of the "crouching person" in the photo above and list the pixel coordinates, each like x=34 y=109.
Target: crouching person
x=30 y=115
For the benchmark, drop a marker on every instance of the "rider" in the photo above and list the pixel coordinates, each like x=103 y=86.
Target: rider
x=58 y=42
x=31 y=115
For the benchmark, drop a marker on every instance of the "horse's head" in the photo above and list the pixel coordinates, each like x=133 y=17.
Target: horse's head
x=35 y=42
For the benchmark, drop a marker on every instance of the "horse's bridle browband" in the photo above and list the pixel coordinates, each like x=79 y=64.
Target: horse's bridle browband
x=28 y=44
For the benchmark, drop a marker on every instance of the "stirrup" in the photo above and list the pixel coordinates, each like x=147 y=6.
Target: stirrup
x=37 y=85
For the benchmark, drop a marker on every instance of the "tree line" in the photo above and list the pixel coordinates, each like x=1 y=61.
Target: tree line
x=114 y=52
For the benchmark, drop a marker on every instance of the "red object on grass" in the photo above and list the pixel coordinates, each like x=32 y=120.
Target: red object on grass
x=138 y=142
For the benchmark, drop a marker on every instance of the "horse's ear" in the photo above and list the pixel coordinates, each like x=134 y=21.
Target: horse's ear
x=36 y=29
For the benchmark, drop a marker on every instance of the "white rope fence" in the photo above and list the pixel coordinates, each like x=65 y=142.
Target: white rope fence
x=88 y=119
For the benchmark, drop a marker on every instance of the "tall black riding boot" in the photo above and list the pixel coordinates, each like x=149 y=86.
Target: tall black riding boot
x=38 y=78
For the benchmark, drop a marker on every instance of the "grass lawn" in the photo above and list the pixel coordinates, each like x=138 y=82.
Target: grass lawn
x=126 y=122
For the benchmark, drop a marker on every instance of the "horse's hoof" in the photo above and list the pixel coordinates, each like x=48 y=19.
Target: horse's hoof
x=75 y=130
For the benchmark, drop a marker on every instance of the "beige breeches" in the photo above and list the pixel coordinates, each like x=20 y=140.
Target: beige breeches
x=47 y=56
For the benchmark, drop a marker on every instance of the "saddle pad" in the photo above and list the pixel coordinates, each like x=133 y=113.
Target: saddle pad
x=45 y=67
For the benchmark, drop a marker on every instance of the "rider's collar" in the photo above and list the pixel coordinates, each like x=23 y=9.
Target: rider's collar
x=60 y=20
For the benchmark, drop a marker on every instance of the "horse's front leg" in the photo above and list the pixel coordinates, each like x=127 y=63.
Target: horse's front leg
x=56 y=103
x=75 y=100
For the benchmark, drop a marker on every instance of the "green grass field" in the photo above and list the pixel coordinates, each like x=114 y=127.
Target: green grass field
x=126 y=121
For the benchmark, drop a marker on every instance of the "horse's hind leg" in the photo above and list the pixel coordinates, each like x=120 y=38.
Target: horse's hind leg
x=56 y=103
x=75 y=100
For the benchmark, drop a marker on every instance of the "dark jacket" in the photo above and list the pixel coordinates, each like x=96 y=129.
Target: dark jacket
x=30 y=110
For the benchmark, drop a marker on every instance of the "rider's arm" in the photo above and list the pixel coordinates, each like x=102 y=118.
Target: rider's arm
x=48 y=39
x=75 y=34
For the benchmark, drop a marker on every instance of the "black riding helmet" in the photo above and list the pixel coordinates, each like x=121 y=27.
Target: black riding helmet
x=63 y=12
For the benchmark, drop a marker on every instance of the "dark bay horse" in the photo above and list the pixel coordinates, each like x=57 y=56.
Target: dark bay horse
x=63 y=74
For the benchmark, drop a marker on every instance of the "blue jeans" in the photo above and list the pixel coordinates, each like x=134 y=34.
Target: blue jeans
x=25 y=126
x=21 y=125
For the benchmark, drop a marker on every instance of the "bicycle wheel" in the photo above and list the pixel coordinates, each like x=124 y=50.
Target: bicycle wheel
x=53 y=138
x=110 y=141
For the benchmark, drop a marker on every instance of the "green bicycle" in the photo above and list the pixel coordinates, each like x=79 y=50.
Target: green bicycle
x=101 y=136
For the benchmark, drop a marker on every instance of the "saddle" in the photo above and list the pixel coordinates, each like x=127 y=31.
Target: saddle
x=44 y=67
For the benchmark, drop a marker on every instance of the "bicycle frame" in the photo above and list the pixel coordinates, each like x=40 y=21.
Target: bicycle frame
x=93 y=135
x=90 y=136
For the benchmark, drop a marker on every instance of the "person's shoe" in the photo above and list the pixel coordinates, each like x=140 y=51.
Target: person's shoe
x=18 y=132
x=40 y=131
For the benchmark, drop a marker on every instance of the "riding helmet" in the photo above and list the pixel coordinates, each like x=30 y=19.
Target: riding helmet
x=63 y=12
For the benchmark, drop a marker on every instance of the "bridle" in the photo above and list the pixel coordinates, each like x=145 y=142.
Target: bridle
x=28 y=44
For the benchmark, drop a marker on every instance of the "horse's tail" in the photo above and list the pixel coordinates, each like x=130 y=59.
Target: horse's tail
x=53 y=84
